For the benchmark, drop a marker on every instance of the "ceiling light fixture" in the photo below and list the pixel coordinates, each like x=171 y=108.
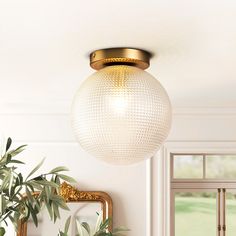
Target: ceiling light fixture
x=121 y=114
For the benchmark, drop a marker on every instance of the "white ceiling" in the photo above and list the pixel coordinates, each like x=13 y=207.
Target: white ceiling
x=44 y=46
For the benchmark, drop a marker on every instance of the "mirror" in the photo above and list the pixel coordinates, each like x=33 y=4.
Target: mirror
x=81 y=211
x=83 y=206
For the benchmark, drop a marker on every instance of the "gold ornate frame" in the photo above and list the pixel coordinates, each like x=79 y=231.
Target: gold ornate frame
x=71 y=194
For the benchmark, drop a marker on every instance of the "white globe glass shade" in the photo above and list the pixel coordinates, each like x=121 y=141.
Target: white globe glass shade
x=121 y=114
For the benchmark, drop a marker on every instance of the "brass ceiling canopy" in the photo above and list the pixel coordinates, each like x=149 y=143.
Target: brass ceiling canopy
x=120 y=56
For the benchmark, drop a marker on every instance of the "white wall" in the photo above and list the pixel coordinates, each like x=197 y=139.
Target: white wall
x=48 y=134
x=136 y=197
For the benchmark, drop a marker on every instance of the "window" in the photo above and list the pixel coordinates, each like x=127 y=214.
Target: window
x=203 y=194
x=188 y=166
x=221 y=166
x=195 y=213
x=204 y=166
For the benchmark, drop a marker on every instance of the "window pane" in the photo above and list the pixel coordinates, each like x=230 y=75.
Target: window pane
x=221 y=166
x=195 y=214
x=230 y=213
x=188 y=166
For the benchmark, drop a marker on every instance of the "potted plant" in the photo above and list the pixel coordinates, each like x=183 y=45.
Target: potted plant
x=14 y=205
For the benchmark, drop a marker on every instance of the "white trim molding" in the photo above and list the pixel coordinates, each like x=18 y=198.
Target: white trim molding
x=63 y=107
x=149 y=197
x=204 y=111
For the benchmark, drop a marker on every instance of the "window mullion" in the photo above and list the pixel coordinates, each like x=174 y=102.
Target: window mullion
x=204 y=166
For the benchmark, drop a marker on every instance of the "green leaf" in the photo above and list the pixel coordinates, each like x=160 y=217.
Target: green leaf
x=62 y=234
x=9 y=142
x=57 y=180
x=30 y=197
x=79 y=228
x=67 y=225
x=36 y=185
x=17 y=162
x=50 y=210
x=33 y=214
x=5 y=181
x=38 y=178
x=30 y=186
x=86 y=226
x=67 y=178
x=20 y=178
x=99 y=221
x=58 y=200
x=101 y=233
x=47 y=183
x=20 y=147
x=36 y=168
x=58 y=169
x=8 y=158
x=47 y=191
x=105 y=224
x=56 y=211
x=11 y=182
x=17 y=151
x=2 y=231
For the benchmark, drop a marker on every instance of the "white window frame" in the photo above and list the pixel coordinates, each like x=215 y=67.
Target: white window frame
x=161 y=178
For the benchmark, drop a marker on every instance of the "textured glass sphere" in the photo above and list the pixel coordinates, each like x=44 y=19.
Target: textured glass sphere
x=121 y=114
